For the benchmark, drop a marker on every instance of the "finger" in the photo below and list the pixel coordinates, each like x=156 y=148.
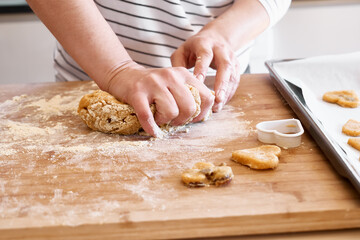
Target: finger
x=221 y=86
x=203 y=61
x=185 y=102
x=222 y=78
x=207 y=101
x=166 y=107
x=207 y=98
x=231 y=94
x=179 y=58
x=141 y=106
x=235 y=83
x=231 y=89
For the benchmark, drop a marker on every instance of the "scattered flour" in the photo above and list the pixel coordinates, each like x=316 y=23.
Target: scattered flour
x=57 y=106
x=68 y=174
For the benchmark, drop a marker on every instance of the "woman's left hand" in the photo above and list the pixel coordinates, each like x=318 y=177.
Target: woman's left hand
x=208 y=49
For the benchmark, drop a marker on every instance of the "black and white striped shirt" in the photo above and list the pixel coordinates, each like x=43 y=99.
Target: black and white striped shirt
x=151 y=30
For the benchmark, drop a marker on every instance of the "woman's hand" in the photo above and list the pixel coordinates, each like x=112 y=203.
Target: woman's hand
x=208 y=49
x=214 y=46
x=140 y=87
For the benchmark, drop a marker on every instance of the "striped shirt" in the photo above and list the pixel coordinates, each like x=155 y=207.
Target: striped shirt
x=151 y=30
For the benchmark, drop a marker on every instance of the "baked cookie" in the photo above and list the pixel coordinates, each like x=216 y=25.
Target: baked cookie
x=355 y=143
x=346 y=98
x=263 y=157
x=103 y=112
x=351 y=128
x=204 y=174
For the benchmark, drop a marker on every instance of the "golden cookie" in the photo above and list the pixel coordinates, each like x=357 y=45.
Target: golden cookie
x=355 y=143
x=263 y=157
x=204 y=174
x=103 y=112
x=351 y=128
x=346 y=98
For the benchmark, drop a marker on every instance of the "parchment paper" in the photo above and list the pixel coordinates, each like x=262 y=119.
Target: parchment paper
x=321 y=74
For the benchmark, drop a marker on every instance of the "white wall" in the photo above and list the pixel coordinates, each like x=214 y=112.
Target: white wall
x=26 y=49
x=309 y=30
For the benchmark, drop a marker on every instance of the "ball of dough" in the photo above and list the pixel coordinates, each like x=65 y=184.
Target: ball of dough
x=103 y=112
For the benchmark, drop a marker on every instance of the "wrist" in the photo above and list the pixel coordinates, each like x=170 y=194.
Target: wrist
x=110 y=76
x=210 y=31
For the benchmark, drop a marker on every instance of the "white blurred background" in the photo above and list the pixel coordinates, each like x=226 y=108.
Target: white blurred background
x=310 y=28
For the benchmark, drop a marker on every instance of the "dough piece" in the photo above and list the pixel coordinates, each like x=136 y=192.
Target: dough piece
x=355 y=143
x=204 y=174
x=263 y=157
x=351 y=128
x=103 y=112
x=346 y=98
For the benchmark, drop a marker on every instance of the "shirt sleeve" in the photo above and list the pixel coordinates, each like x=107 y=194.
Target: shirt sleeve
x=276 y=9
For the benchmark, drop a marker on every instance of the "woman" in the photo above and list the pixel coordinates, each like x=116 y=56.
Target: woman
x=139 y=51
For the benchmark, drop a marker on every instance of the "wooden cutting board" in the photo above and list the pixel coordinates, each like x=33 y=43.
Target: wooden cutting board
x=59 y=179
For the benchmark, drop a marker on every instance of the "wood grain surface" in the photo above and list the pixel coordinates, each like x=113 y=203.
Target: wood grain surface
x=61 y=180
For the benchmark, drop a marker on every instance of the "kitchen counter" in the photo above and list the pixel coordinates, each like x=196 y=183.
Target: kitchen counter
x=59 y=179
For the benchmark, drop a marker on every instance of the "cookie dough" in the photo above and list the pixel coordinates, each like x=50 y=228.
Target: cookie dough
x=204 y=174
x=263 y=157
x=346 y=98
x=103 y=112
x=351 y=128
x=355 y=143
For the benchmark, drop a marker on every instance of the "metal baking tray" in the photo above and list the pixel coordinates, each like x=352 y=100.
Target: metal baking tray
x=294 y=97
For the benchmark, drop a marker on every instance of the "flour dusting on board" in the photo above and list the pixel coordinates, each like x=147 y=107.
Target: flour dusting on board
x=72 y=175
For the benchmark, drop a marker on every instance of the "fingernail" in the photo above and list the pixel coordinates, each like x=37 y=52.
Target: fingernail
x=219 y=106
x=159 y=134
x=200 y=77
x=157 y=131
x=221 y=95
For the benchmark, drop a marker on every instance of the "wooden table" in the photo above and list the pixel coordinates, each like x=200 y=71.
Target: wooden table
x=61 y=180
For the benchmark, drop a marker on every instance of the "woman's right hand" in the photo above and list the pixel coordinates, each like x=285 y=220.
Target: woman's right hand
x=166 y=87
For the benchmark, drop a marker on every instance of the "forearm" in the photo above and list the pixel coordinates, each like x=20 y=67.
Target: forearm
x=85 y=35
x=240 y=24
